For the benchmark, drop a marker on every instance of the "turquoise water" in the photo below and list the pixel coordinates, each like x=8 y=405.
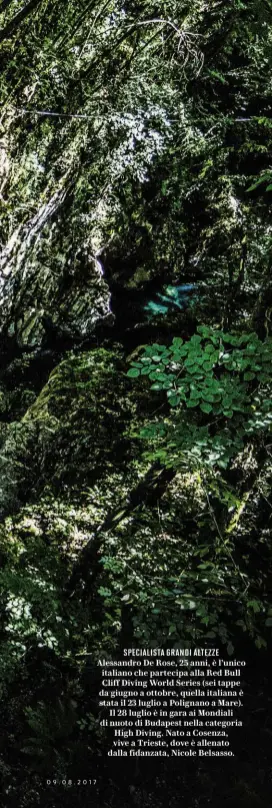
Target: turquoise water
x=172 y=297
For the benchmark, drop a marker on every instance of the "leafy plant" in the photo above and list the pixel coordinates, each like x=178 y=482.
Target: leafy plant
x=218 y=385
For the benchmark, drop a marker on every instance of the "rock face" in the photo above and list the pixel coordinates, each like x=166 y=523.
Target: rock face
x=70 y=434
x=50 y=279
x=52 y=298
x=67 y=301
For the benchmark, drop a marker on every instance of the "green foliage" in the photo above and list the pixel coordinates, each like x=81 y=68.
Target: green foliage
x=176 y=572
x=264 y=178
x=142 y=131
x=218 y=383
x=47 y=724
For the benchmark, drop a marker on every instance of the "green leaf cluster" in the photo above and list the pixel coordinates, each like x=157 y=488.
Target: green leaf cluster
x=215 y=380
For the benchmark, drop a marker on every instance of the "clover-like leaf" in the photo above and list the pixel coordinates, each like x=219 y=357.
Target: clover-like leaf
x=133 y=373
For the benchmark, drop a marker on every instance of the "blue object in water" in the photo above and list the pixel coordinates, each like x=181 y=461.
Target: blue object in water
x=155 y=308
x=185 y=287
x=173 y=297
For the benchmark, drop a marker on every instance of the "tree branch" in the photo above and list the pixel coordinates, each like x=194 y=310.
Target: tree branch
x=147 y=492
